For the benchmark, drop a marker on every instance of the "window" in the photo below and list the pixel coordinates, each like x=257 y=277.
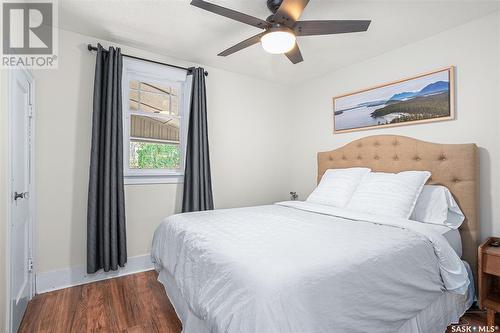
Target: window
x=155 y=101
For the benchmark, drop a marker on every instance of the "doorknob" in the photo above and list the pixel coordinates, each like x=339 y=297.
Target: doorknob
x=22 y=195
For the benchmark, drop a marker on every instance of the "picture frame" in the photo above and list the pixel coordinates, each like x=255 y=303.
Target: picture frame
x=424 y=98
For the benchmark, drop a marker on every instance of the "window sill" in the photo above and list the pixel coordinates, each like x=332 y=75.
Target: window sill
x=144 y=180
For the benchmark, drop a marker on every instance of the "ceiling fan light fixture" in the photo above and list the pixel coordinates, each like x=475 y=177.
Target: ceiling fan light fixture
x=281 y=27
x=278 y=41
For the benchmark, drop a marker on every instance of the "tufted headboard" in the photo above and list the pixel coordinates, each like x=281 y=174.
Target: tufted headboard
x=452 y=165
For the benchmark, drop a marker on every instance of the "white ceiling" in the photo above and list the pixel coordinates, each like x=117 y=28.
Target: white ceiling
x=174 y=28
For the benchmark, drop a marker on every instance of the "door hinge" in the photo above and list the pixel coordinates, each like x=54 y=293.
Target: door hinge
x=30 y=265
x=30 y=93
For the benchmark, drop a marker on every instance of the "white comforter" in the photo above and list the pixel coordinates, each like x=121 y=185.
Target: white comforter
x=297 y=267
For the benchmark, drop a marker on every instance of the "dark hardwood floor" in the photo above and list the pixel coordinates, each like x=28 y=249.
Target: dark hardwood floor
x=133 y=303
x=129 y=304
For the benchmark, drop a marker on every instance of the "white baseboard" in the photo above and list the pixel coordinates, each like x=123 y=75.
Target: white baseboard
x=74 y=276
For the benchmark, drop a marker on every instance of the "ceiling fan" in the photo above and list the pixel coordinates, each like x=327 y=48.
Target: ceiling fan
x=282 y=27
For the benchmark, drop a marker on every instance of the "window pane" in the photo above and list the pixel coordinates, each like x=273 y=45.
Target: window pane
x=147 y=155
x=153 y=98
x=149 y=128
x=133 y=100
x=174 y=122
x=134 y=106
x=134 y=84
x=155 y=88
x=156 y=103
x=175 y=106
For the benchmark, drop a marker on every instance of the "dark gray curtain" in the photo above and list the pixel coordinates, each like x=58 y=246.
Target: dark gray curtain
x=106 y=236
x=197 y=178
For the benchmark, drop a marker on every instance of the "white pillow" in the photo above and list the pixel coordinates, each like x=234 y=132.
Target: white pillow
x=437 y=205
x=391 y=194
x=337 y=186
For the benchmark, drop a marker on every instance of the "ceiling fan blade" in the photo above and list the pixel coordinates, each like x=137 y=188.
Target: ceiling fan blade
x=289 y=11
x=241 y=45
x=294 y=55
x=232 y=14
x=311 y=28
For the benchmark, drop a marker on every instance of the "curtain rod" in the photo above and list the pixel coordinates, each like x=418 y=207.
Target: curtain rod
x=94 y=48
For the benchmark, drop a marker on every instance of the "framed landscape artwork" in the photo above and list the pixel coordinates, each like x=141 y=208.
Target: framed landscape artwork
x=423 y=98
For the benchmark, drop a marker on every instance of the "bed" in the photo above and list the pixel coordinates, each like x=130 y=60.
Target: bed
x=300 y=267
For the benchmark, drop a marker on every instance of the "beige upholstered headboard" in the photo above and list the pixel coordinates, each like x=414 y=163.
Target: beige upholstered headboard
x=452 y=165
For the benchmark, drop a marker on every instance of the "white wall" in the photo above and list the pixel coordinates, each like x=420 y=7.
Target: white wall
x=248 y=133
x=263 y=136
x=474 y=48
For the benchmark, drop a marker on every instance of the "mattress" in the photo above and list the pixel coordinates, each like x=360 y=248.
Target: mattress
x=289 y=267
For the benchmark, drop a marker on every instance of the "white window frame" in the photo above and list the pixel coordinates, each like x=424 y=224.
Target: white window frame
x=163 y=75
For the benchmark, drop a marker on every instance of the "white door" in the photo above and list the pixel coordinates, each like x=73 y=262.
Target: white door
x=20 y=184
